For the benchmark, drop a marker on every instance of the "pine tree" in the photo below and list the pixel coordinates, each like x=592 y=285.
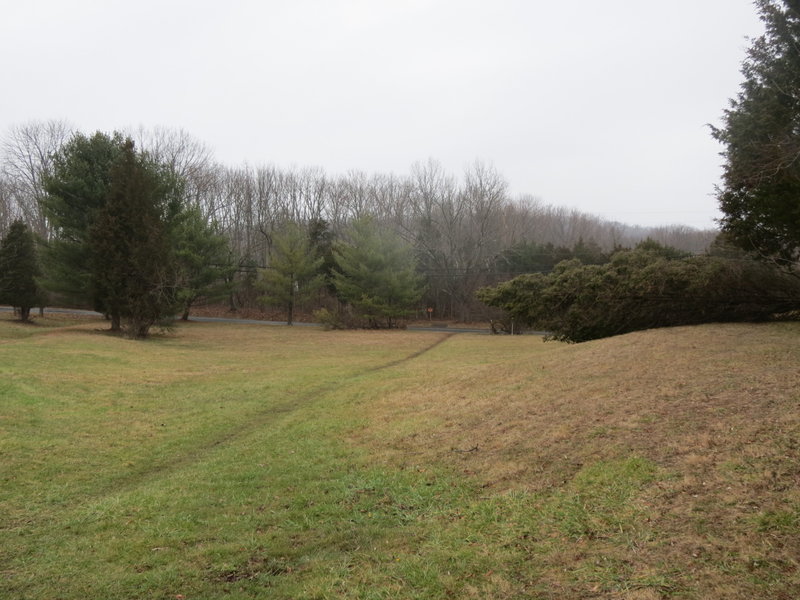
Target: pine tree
x=294 y=271
x=377 y=275
x=19 y=268
x=202 y=260
x=77 y=189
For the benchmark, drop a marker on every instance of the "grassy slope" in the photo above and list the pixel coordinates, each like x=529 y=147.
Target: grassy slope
x=255 y=462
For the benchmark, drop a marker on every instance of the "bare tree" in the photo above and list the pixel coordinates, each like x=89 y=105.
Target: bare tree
x=520 y=220
x=457 y=231
x=684 y=238
x=313 y=184
x=187 y=157
x=27 y=156
x=241 y=215
x=7 y=205
x=336 y=205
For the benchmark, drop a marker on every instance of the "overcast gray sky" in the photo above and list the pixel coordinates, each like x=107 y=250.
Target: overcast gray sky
x=599 y=106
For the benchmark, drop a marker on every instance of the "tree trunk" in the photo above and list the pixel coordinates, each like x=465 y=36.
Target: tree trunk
x=24 y=313
x=116 y=321
x=187 y=306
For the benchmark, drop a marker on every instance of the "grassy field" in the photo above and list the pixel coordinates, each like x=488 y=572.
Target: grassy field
x=269 y=462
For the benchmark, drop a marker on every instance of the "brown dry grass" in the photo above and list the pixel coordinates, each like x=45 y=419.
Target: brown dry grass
x=699 y=427
x=714 y=407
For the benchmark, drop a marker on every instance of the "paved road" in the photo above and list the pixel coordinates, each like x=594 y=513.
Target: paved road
x=256 y=322
x=77 y=311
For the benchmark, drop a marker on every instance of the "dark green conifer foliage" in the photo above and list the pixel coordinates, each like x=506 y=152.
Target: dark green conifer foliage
x=322 y=241
x=77 y=189
x=133 y=270
x=760 y=194
x=650 y=286
x=294 y=270
x=203 y=260
x=377 y=275
x=530 y=257
x=19 y=268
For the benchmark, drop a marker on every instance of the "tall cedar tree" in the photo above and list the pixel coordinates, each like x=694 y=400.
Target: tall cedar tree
x=294 y=271
x=760 y=194
x=132 y=263
x=77 y=189
x=377 y=275
x=19 y=268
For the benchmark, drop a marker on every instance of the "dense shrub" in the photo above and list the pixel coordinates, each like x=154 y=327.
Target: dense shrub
x=641 y=289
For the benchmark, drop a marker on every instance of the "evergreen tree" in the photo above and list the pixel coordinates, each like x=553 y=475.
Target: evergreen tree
x=202 y=260
x=589 y=253
x=530 y=257
x=376 y=275
x=294 y=270
x=77 y=189
x=19 y=269
x=760 y=194
x=131 y=257
x=321 y=239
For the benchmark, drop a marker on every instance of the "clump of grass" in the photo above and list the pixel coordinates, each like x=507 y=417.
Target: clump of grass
x=786 y=521
x=598 y=502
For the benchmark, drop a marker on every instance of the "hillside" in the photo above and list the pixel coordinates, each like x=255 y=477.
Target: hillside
x=713 y=410
x=270 y=462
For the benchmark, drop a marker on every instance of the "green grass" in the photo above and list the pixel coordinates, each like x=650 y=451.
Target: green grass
x=200 y=466
x=270 y=462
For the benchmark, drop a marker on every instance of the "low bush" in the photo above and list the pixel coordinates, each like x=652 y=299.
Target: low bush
x=644 y=288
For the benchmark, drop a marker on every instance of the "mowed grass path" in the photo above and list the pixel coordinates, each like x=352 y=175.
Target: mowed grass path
x=233 y=461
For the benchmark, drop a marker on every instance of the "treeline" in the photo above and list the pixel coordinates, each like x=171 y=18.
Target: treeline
x=465 y=232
